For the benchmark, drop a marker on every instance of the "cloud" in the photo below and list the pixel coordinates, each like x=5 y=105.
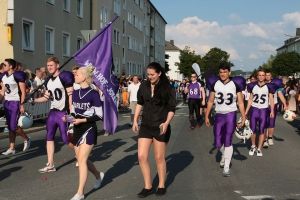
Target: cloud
x=241 y=41
x=235 y=17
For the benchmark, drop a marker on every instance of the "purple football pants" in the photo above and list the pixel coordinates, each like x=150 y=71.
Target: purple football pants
x=224 y=128
x=260 y=116
x=11 y=112
x=55 y=121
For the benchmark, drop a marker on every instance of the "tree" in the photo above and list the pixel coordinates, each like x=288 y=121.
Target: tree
x=268 y=65
x=187 y=57
x=286 y=64
x=214 y=58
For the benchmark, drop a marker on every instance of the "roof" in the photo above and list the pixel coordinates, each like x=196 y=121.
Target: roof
x=157 y=11
x=169 y=46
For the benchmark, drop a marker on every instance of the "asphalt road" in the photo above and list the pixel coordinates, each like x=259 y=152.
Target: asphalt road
x=192 y=161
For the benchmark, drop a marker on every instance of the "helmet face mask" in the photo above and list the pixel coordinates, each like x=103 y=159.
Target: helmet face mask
x=243 y=133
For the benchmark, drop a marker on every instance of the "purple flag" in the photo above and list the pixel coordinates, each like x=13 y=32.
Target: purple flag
x=98 y=53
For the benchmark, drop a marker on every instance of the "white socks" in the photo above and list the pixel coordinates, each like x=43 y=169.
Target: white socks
x=228 y=151
x=222 y=150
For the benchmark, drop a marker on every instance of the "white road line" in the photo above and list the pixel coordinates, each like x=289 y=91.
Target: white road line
x=257 y=197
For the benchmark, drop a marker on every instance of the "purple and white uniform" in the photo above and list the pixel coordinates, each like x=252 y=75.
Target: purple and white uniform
x=12 y=97
x=86 y=104
x=194 y=96
x=225 y=100
x=271 y=121
x=57 y=86
x=260 y=104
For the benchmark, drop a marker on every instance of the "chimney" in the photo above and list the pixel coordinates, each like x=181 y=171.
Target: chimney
x=298 y=32
x=172 y=42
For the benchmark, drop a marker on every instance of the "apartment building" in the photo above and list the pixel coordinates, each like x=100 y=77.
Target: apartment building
x=291 y=44
x=31 y=31
x=138 y=33
x=173 y=53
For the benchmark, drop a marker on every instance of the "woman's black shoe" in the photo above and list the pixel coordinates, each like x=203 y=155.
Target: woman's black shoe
x=145 y=192
x=160 y=191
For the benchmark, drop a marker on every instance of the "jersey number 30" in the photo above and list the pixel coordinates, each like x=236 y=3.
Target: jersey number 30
x=220 y=97
x=57 y=94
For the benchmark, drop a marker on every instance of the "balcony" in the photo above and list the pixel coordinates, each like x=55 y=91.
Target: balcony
x=152 y=42
x=152 y=23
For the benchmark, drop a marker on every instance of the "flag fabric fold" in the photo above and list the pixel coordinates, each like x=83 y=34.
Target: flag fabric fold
x=98 y=53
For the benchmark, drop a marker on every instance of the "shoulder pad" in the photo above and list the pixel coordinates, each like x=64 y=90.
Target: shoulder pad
x=272 y=87
x=278 y=82
x=250 y=86
x=210 y=81
x=240 y=81
x=20 y=76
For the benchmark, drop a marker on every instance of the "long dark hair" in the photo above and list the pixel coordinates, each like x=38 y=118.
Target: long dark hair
x=162 y=88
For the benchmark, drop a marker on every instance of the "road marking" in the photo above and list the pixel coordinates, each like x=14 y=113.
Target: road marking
x=257 y=197
x=238 y=191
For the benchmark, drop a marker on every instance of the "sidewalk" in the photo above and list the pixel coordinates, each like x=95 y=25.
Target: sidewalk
x=38 y=125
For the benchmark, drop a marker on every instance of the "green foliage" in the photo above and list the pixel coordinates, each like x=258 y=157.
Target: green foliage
x=286 y=64
x=187 y=58
x=214 y=58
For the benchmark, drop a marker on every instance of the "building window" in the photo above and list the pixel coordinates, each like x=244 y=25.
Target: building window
x=50 y=2
x=129 y=42
x=80 y=8
x=117 y=7
x=123 y=55
x=124 y=4
x=117 y=66
x=28 y=35
x=136 y=2
x=141 y=4
x=66 y=5
x=130 y=19
x=79 y=43
x=66 y=44
x=49 y=40
x=129 y=68
x=124 y=26
x=103 y=17
x=117 y=37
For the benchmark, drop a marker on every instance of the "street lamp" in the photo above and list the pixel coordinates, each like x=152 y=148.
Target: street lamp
x=292 y=36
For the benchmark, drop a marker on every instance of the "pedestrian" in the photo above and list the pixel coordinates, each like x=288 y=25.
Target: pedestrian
x=13 y=91
x=292 y=99
x=59 y=89
x=261 y=94
x=87 y=109
x=270 y=125
x=225 y=92
x=28 y=82
x=38 y=79
x=184 y=95
x=124 y=99
x=132 y=94
x=157 y=97
x=195 y=93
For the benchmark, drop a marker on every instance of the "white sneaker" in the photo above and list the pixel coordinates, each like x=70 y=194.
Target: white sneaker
x=252 y=151
x=27 y=144
x=265 y=144
x=270 y=141
x=48 y=168
x=226 y=172
x=9 y=151
x=259 y=153
x=78 y=197
x=222 y=162
x=98 y=182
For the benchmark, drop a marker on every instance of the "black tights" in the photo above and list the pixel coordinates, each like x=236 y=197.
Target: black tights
x=194 y=105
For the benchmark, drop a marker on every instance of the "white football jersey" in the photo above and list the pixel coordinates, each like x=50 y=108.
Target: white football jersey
x=11 y=84
x=225 y=96
x=260 y=96
x=56 y=86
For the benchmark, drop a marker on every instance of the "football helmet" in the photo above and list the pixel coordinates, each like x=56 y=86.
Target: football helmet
x=25 y=120
x=289 y=115
x=245 y=132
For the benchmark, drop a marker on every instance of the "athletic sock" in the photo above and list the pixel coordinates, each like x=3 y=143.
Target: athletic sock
x=228 y=155
x=270 y=137
x=222 y=149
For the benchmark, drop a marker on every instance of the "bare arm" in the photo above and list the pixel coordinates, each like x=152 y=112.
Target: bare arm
x=135 y=126
x=2 y=92
x=203 y=96
x=281 y=97
x=210 y=104
x=271 y=97
x=69 y=92
x=249 y=104
x=241 y=107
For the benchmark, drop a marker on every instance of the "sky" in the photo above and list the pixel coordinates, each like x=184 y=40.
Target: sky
x=249 y=30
